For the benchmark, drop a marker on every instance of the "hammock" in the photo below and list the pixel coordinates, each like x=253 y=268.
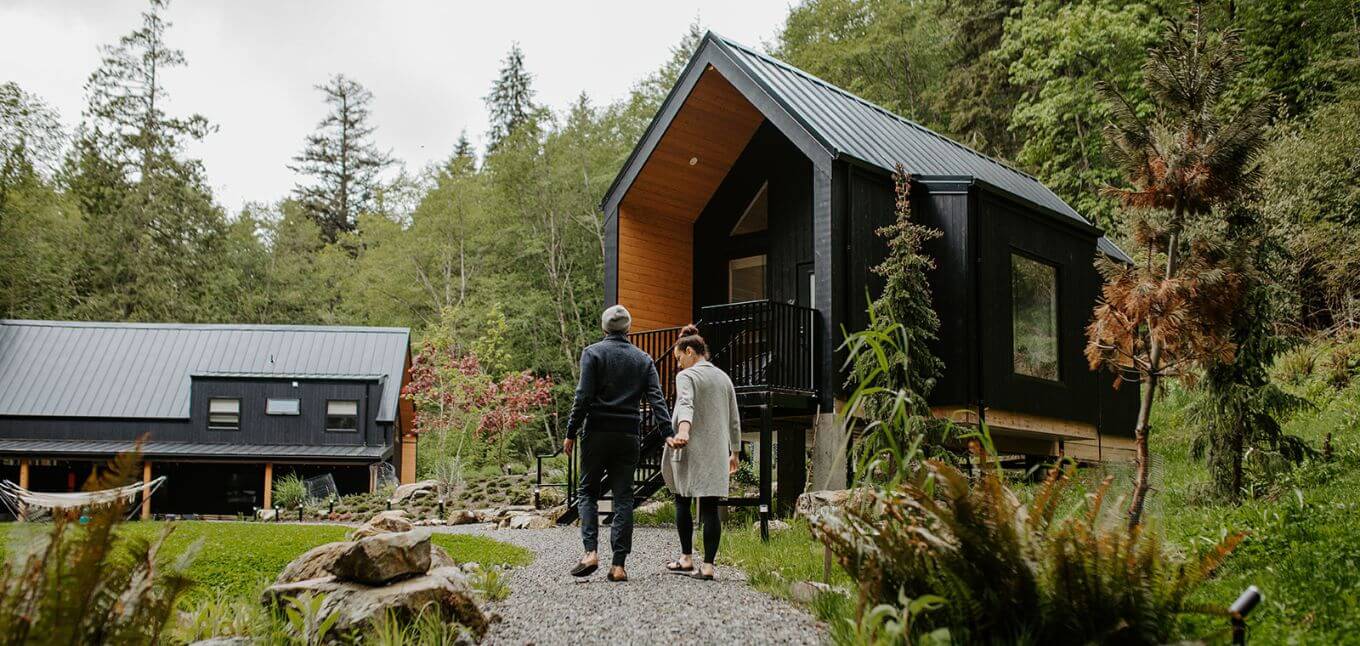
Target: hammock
x=24 y=503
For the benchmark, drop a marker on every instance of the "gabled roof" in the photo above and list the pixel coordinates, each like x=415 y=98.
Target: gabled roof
x=849 y=127
x=144 y=370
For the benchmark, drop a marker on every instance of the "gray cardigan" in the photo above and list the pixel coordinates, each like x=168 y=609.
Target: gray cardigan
x=705 y=397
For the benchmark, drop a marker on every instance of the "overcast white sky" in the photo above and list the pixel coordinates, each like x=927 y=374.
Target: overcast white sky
x=252 y=64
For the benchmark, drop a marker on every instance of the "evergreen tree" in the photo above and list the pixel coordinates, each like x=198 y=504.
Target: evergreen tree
x=30 y=139
x=904 y=307
x=127 y=97
x=464 y=154
x=511 y=101
x=1239 y=406
x=341 y=159
x=977 y=96
x=1173 y=309
x=153 y=238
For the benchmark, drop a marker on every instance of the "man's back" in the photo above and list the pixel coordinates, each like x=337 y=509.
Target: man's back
x=615 y=377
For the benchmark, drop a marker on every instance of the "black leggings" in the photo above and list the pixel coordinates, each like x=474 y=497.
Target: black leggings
x=708 y=515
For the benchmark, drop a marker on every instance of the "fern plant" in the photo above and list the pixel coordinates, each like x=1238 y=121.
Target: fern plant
x=84 y=584
x=1014 y=572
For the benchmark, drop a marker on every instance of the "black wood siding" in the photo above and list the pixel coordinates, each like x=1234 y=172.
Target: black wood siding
x=787 y=243
x=307 y=429
x=1006 y=228
x=939 y=205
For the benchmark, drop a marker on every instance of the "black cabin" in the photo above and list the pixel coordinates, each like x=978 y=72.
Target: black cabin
x=223 y=409
x=750 y=205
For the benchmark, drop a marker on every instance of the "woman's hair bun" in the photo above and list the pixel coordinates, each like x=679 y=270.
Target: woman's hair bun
x=689 y=330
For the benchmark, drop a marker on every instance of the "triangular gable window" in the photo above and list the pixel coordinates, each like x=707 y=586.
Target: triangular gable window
x=757 y=215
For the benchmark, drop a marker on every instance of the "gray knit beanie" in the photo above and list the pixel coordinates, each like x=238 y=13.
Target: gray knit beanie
x=616 y=320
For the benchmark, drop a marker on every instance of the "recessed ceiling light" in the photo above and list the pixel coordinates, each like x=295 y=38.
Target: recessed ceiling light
x=693 y=161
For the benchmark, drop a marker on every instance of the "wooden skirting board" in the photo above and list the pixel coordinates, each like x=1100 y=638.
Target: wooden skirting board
x=1014 y=432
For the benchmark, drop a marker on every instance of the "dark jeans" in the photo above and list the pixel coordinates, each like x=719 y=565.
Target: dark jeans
x=612 y=457
x=708 y=515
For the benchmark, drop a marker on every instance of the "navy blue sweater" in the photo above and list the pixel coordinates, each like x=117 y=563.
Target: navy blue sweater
x=615 y=376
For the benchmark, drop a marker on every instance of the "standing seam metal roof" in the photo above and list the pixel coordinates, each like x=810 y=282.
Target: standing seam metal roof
x=144 y=370
x=853 y=127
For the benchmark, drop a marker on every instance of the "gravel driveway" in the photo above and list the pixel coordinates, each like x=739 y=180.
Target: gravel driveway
x=548 y=606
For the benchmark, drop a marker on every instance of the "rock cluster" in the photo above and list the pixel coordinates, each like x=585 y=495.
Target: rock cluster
x=389 y=566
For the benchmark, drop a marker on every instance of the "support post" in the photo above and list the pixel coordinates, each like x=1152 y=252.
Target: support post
x=766 y=468
x=268 y=485
x=146 y=490
x=830 y=447
x=408 y=458
x=792 y=468
x=23 y=483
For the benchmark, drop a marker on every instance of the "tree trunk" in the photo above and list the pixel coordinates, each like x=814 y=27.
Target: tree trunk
x=1140 y=441
x=1150 y=378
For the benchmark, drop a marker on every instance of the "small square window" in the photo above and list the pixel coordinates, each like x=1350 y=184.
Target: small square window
x=342 y=415
x=746 y=279
x=1034 y=318
x=224 y=414
x=282 y=407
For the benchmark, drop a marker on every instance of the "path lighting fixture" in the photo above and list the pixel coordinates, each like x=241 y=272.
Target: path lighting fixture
x=1239 y=610
x=693 y=161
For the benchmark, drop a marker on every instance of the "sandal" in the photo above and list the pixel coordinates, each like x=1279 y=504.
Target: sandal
x=675 y=567
x=699 y=574
x=585 y=569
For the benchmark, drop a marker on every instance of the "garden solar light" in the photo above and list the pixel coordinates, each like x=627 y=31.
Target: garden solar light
x=1239 y=610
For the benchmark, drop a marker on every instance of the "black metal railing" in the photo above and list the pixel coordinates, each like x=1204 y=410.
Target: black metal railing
x=658 y=345
x=568 y=487
x=764 y=345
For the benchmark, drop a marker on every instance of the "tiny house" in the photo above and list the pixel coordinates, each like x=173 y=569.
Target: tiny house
x=750 y=206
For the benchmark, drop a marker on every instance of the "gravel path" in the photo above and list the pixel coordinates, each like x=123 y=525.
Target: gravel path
x=548 y=606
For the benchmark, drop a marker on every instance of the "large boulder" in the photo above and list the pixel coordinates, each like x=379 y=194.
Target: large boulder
x=356 y=606
x=529 y=521
x=380 y=559
x=391 y=521
x=814 y=503
x=463 y=517
x=415 y=490
x=316 y=562
x=313 y=563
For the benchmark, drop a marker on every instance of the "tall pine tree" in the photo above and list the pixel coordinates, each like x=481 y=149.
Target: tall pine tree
x=511 y=101
x=344 y=164
x=153 y=236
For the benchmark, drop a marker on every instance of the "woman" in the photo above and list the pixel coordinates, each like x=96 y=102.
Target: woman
x=702 y=455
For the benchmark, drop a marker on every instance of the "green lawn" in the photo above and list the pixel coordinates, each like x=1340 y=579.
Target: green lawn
x=238 y=559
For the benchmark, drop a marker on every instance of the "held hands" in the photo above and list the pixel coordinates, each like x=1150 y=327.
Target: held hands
x=732 y=464
x=681 y=437
x=567 y=445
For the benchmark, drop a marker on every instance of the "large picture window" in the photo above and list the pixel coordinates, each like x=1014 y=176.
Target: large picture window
x=224 y=414
x=1034 y=318
x=342 y=415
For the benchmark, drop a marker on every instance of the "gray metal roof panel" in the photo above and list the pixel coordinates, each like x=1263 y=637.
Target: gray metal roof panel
x=143 y=370
x=187 y=449
x=856 y=128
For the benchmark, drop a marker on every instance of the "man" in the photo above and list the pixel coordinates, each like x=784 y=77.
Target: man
x=615 y=376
